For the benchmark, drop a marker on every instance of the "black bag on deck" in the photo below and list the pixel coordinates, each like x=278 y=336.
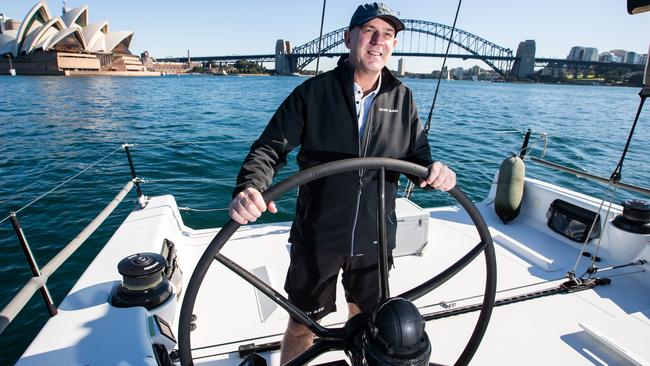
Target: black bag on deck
x=571 y=221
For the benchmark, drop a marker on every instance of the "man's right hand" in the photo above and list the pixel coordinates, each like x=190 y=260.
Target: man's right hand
x=248 y=205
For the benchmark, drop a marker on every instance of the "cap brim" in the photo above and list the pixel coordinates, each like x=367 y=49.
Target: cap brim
x=397 y=24
x=393 y=20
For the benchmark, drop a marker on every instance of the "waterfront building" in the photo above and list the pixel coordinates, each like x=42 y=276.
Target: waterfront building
x=580 y=53
x=457 y=73
x=43 y=44
x=575 y=53
x=590 y=54
x=606 y=57
x=619 y=53
x=631 y=58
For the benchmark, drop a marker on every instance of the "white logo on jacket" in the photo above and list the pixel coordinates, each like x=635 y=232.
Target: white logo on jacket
x=389 y=110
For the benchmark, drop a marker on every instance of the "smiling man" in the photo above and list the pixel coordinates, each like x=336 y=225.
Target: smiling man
x=359 y=109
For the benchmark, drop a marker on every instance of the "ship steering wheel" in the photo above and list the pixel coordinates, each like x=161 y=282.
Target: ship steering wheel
x=347 y=338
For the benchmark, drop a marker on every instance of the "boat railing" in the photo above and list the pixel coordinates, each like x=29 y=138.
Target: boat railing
x=38 y=281
x=525 y=149
x=629 y=187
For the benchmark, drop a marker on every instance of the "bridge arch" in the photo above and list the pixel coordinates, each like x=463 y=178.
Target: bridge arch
x=496 y=57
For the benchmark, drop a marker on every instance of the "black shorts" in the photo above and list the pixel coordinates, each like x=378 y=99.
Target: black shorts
x=312 y=278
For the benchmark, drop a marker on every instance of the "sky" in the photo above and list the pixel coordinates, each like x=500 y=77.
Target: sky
x=216 y=28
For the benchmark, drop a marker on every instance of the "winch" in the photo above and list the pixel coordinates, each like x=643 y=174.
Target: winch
x=143 y=283
x=635 y=217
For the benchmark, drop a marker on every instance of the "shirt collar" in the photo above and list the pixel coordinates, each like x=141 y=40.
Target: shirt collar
x=358 y=89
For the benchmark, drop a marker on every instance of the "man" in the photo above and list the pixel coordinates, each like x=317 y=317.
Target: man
x=358 y=109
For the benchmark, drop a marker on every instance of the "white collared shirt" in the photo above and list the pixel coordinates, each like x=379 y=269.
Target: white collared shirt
x=363 y=104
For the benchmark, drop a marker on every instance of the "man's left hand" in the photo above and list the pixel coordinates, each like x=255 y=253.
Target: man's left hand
x=440 y=177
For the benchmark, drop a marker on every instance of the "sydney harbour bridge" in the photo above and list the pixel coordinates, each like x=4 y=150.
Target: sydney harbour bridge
x=420 y=38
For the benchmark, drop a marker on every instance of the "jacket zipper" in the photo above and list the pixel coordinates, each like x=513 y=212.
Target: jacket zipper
x=360 y=185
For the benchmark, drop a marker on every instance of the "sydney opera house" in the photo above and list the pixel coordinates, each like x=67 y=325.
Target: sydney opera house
x=69 y=44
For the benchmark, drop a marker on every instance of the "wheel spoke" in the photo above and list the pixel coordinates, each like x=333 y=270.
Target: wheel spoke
x=318 y=348
x=445 y=275
x=384 y=290
x=297 y=314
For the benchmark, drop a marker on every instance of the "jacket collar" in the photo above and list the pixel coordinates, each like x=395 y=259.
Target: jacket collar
x=345 y=72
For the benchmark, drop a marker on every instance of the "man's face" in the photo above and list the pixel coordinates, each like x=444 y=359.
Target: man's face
x=371 y=45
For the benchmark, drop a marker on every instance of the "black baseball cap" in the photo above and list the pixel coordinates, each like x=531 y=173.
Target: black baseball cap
x=367 y=12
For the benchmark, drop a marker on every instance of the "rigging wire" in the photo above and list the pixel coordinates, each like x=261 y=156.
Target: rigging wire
x=610 y=195
x=617 y=174
x=320 y=37
x=61 y=184
x=444 y=63
x=409 y=188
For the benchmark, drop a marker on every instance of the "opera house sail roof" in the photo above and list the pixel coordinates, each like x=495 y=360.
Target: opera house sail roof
x=42 y=34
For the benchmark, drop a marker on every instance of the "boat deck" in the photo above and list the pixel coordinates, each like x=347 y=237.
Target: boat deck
x=581 y=328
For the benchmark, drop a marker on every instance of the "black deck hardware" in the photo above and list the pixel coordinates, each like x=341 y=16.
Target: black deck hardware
x=251 y=348
x=564 y=288
x=253 y=360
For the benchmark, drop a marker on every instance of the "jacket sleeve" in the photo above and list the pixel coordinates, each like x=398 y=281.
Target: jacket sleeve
x=268 y=154
x=419 y=151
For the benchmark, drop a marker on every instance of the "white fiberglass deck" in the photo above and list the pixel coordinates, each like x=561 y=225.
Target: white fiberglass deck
x=587 y=327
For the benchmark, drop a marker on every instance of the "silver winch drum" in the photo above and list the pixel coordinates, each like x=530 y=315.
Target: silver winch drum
x=143 y=283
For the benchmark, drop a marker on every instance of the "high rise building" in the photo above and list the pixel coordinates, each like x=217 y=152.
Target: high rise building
x=590 y=54
x=576 y=53
x=401 y=67
x=631 y=58
x=606 y=57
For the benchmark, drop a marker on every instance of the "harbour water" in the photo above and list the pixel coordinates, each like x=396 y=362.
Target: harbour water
x=193 y=131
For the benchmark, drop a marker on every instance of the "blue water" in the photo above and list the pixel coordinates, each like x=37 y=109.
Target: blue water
x=193 y=131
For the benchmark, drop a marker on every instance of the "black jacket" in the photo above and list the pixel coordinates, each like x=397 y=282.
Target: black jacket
x=338 y=213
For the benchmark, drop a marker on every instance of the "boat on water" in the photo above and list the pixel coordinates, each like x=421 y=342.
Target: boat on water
x=559 y=277
x=12 y=71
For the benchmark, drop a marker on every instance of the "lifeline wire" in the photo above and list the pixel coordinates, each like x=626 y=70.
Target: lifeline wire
x=222 y=208
x=185 y=142
x=66 y=181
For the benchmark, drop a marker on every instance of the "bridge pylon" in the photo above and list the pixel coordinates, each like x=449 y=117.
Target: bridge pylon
x=524 y=65
x=285 y=62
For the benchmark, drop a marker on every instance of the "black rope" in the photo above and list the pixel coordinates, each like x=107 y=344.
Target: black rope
x=427 y=125
x=617 y=174
x=320 y=37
